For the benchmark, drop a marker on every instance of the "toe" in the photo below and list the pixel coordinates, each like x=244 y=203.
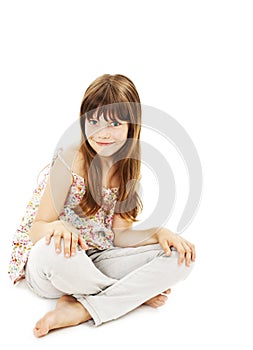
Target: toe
x=40 y=329
x=158 y=303
x=168 y=291
x=37 y=332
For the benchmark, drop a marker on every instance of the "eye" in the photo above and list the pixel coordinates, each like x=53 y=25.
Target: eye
x=93 y=121
x=115 y=124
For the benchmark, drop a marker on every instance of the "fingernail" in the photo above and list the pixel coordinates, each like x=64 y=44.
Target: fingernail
x=67 y=255
x=57 y=250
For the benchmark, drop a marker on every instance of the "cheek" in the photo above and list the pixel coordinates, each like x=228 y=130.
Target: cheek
x=90 y=133
x=122 y=134
x=87 y=130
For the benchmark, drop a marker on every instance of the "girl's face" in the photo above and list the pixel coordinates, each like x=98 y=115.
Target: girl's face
x=106 y=137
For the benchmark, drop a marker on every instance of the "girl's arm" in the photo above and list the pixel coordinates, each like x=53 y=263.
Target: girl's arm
x=52 y=200
x=46 y=223
x=126 y=236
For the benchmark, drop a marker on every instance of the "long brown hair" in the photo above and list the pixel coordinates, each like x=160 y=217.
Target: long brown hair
x=117 y=98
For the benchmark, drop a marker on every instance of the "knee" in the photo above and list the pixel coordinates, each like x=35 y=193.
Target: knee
x=43 y=254
x=41 y=248
x=173 y=268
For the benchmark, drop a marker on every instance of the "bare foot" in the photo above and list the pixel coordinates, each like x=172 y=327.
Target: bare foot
x=158 y=300
x=68 y=312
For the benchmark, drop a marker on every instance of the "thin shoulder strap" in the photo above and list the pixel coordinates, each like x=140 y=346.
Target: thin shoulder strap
x=41 y=172
x=59 y=156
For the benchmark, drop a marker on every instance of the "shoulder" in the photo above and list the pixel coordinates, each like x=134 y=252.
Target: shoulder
x=77 y=165
x=68 y=161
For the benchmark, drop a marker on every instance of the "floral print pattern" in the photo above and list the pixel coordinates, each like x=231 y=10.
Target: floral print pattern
x=96 y=230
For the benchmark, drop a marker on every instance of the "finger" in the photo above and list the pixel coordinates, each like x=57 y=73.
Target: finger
x=74 y=242
x=188 y=253
x=57 y=241
x=48 y=236
x=181 y=253
x=67 y=243
x=83 y=244
x=188 y=257
x=165 y=246
x=190 y=249
x=193 y=250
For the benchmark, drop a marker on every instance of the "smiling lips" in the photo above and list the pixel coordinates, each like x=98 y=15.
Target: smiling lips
x=104 y=143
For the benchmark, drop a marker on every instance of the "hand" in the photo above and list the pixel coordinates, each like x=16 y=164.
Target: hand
x=63 y=230
x=185 y=249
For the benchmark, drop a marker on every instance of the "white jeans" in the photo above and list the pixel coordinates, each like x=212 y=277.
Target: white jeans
x=109 y=283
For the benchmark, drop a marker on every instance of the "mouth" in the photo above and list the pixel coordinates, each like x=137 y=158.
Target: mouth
x=104 y=143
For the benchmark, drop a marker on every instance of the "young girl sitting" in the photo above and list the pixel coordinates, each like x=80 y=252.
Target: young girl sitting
x=76 y=242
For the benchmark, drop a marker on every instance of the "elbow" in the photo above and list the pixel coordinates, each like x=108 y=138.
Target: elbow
x=120 y=239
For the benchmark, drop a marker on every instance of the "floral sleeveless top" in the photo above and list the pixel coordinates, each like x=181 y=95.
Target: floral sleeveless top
x=96 y=230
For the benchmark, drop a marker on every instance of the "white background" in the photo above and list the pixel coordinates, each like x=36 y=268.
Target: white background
x=192 y=59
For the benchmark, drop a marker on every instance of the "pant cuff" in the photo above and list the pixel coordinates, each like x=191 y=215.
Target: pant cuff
x=90 y=309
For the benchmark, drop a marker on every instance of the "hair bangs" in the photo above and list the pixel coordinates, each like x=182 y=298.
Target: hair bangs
x=111 y=112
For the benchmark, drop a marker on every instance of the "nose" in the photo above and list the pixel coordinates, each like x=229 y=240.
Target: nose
x=104 y=132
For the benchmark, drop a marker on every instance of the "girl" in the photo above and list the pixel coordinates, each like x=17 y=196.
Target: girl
x=76 y=241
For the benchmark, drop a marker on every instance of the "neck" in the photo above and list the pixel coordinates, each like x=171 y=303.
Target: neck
x=106 y=162
x=108 y=172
